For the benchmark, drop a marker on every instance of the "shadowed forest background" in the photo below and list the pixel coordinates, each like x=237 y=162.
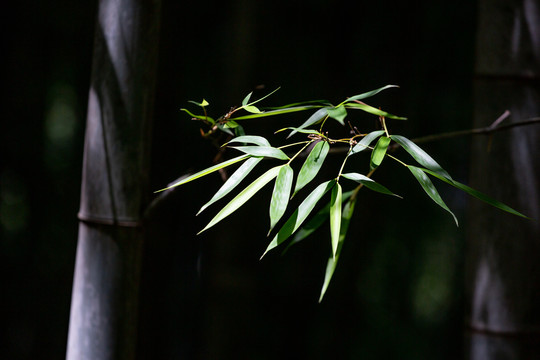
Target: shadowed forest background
x=398 y=290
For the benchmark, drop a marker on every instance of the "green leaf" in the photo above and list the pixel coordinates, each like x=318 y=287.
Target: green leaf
x=477 y=194
x=369 y=183
x=200 y=117
x=313 y=119
x=366 y=141
x=250 y=139
x=331 y=265
x=233 y=180
x=239 y=131
x=430 y=189
x=252 y=109
x=264 y=97
x=372 y=110
x=201 y=104
x=276 y=112
x=303 y=131
x=420 y=155
x=281 y=194
x=370 y=93
x=266 y=151
x=318 y=103
x=225 y=129
x=315 y=222
x=300 y=215
x=338 y=113
x=335 y=217
x=246 y=99
x=379 y=152
x=244 y=196
x=206 y=171
x=312 y=165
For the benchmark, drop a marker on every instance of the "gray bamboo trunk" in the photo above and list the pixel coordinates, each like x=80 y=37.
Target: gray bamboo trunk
x=503 y=251
x=114 y=184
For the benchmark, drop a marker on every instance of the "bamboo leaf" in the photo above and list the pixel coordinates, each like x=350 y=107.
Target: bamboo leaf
x=379 y=152
x=369 y=93
x=201 y=104
x=266 y=151
x=225 y=129
x=233 y=181
x=372 y=110
x=303 y=131
x=338 y=113
x=276 y=112
x=313 y=119
x=335 y=217
x=312 y=165
x=281 y=194
x=250 y=139
x=246 y=99
x=244 y=196
x=366 y=141
x=264 y=97
x=477 y=194
x=300 y=215
x=206 y=171
x=317 y=103
x=315 y=222
x=369 y=183
x=252 y=109
x=420 y=155
x=331 y=265
x=430 y=189
x=200 y=117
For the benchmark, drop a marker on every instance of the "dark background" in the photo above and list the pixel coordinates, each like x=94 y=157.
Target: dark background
x=397 y=292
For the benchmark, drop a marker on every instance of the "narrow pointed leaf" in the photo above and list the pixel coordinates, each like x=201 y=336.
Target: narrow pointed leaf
x=338 y=113
x=233 y=180
x=252 y=109
x=239 y=131
x=303 y=131
x=281 y=194
x=313 y=119
x=331 y=265
x=264 y=97
x=477 y=194
x=225 y=129
x=319 y=103
x=246 y=99
x=372 y=110
x=366 y=141
x=200 y=117
x=315 y=222
x=370 y=93
x=379 y=152
x=277 y=112
x=201 y=104
x=244 y=196
x=266 y=151
x=250 y=139
x=206 y=171
x=335 y=217
x=420 y=155
x=312 y=165
x=369 y=183
x=430 y=189
x=300 y=215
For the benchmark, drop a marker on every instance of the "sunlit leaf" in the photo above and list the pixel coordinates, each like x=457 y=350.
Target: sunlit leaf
x=264 y=97
x=250 y=139
x=281 y=194
x=366 y=141
x=477 y=194
x=246 y=99
x=244 y=196
x=379 y=151
x=266 y=151
x=231 y=124
x=233 y=180
x=201 y=104
x=369 y=183
x=335 y=217
x=430 y=189
x=200 y=117
x=420 y=155
x=313 y=119
x=300 y=215
x=348 y=211
x=276 y=112
x=372 y=110
x=338 y=113
x=252 y=109
x=312 y=165
x=206 y=171
x=303 y=131
x=370 y=93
